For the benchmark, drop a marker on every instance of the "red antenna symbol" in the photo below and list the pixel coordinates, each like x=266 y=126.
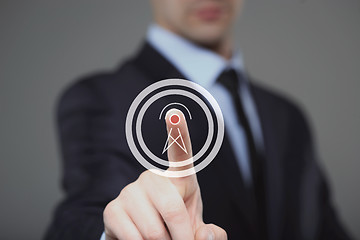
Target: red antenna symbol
x=174 y=136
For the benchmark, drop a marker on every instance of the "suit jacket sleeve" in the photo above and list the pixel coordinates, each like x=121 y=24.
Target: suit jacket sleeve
x=331 y=227
x=315 y=187
x=95 y=165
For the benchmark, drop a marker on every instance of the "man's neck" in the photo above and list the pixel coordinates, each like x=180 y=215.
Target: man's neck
x=222 y=47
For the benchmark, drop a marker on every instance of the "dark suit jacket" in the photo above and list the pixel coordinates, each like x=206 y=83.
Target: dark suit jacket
x=98 y=163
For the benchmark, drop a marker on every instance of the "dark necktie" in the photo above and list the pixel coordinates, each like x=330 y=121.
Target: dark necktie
x=230 y=80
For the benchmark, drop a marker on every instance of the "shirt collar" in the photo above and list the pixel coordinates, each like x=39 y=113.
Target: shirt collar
x=194 y=62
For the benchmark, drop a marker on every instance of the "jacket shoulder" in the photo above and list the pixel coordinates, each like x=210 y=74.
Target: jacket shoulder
x=99 y=87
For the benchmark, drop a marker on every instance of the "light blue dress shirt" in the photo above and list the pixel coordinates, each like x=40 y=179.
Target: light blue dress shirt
x=203 y=67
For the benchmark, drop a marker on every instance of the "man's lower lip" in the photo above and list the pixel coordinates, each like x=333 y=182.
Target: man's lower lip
x=211 y=14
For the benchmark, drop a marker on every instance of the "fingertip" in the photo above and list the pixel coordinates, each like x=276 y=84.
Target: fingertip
x=174 y=117
x=178 y=142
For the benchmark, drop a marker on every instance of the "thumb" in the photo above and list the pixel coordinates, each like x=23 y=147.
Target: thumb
x=210 y=232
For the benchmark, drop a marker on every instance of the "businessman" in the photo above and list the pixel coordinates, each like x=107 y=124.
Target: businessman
x=265 y=182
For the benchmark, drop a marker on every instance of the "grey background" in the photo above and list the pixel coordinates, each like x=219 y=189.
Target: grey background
x=306 y=48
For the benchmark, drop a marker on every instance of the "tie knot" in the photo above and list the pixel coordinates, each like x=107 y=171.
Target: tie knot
x=229 y=79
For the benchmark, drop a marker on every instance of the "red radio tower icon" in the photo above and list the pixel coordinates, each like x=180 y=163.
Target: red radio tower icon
x=174 y=136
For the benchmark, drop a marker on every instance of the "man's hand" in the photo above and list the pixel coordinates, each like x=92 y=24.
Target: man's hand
x=156 y=207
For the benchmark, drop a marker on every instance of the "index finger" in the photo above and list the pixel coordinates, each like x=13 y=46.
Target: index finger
x=178 y=145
